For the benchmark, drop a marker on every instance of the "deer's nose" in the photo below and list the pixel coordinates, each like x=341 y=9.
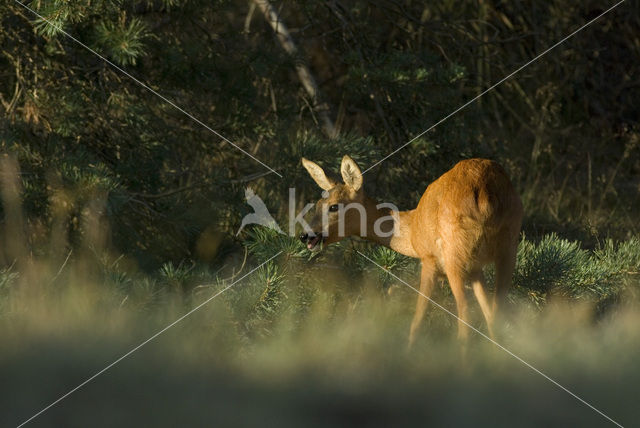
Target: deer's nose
x=304 y=237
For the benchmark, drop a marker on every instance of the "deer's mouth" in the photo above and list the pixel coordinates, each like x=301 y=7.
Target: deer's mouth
x=313 y=242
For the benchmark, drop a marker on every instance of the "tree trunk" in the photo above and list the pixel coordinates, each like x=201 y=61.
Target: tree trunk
x=321 y=108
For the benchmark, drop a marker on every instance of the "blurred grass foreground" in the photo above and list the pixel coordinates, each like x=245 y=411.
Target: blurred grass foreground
x=305 y=340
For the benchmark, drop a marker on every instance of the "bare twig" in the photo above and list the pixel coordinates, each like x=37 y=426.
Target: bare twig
x=200 y=184
x=61 y=267
x=244 y=261
x=249 y=177
x=247 y=20
x=168 y=192
x=233 y=276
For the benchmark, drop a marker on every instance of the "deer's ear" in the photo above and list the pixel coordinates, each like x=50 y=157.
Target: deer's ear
x=351 y=174
x=317 y=173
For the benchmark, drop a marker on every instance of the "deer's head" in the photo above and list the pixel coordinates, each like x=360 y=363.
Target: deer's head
x=342 y=210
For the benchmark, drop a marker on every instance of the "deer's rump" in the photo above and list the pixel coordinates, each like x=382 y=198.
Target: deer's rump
x=475 y=209
x=478 y=189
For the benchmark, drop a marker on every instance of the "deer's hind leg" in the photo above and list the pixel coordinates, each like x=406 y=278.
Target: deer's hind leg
x=456 y=279
x=505 y=265
x=480 y=290
x=427 y=281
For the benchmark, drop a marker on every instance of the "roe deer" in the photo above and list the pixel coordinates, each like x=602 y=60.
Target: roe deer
x=466 y=219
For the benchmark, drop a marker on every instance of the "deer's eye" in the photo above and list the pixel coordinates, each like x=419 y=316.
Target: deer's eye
x=333 y=208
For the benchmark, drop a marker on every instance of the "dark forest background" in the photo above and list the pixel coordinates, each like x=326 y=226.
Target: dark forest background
x=565 y=127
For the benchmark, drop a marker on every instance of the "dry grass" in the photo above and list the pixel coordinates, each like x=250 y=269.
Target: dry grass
x=343 y=362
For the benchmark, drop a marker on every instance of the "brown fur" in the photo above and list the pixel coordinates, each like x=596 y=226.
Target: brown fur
x=468 y=218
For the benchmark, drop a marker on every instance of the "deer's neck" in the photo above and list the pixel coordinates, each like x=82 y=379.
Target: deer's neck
x=391 y=228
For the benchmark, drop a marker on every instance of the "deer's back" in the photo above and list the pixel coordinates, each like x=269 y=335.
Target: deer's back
x=467 y=213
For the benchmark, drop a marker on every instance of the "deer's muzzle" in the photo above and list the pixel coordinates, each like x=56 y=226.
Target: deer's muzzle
x=312 y=240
